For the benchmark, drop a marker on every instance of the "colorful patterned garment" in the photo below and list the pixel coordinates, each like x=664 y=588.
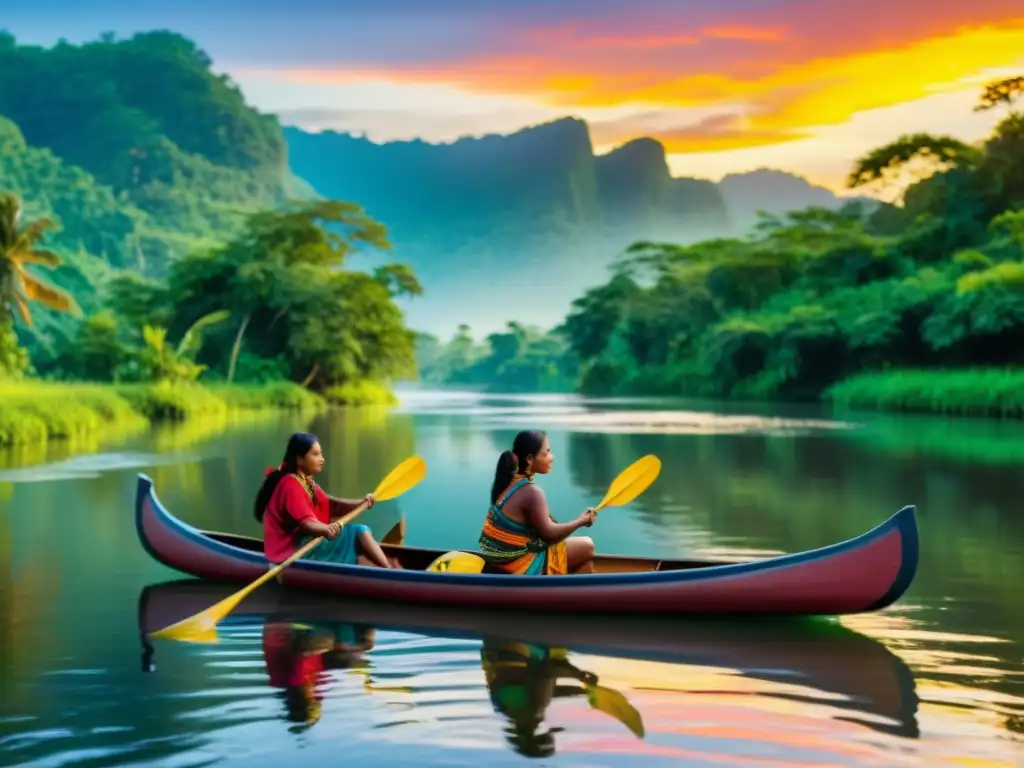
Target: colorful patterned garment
x=516 y=548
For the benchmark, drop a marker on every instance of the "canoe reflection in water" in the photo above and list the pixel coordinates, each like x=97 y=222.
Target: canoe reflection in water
x=523 y=679
x=298 y=657
x=524 y=656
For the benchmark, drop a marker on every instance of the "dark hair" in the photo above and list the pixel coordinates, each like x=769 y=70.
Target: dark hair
x=527 y=443
x=298 y=446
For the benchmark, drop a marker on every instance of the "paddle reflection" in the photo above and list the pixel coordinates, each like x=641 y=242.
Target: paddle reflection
x=523 y=679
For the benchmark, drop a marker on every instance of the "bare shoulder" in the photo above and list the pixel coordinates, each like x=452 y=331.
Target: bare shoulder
x=531 y=494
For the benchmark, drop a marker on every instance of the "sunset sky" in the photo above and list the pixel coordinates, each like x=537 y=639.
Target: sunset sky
x=801 y=85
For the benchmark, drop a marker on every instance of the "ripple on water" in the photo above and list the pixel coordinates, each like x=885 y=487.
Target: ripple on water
x=89 y=466
x=668 y=423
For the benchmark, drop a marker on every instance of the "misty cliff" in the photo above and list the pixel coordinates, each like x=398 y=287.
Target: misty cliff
x=492 y=222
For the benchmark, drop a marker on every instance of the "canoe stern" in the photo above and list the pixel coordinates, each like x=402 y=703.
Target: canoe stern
x=178 y=545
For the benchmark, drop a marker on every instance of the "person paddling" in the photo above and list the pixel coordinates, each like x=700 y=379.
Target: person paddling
x=294 y=509
x=519 y=535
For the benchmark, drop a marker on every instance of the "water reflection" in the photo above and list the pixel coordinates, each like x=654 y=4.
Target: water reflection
x=529 y=662
x=523 y=679
x=298 y=657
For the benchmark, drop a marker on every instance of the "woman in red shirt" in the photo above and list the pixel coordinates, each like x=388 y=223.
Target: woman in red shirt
x=294 y=509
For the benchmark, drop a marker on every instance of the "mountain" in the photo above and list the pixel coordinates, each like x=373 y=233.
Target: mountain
x=516 y=226
x=773 y=191
x=144 y=154
x=147 y=119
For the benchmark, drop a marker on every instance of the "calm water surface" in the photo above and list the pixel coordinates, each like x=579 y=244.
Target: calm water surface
x=935 y=680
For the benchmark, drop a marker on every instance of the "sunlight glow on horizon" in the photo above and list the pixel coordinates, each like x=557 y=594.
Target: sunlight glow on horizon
x=810 y=117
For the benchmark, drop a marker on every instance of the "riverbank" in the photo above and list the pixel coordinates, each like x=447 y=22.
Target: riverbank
x=39 y=412
x=993 y=392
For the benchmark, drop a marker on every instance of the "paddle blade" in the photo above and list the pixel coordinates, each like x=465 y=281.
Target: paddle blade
x=403 y=477
x=614 y=704
x=631 y=482
x=201 y=627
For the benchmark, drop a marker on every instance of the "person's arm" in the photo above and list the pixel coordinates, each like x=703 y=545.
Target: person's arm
x=314 y=527
x=341 y=507
x=295 y=504
x=536 y=509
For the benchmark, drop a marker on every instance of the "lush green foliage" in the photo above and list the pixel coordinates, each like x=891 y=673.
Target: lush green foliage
x=35 y=412
x=155 y=196
x=359 y=393
x=518 y=360
x=274 y=303
x=818 y=295
x=148 y=121
x=970 y=392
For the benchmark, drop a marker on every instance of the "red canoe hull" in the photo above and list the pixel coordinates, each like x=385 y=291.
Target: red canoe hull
x=862 y=574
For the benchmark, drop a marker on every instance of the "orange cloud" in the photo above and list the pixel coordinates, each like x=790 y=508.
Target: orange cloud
x=716 y=133
x=640 y=43
x=747 y=34
x=823 y=67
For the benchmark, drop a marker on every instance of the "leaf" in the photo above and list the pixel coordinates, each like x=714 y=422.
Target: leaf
x=35 y=231
x=22 y=308
x=881 y=163
x=37 y=256
x=192 y=340
x=48 y=296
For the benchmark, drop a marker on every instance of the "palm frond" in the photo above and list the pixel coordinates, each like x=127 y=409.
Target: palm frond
x=39 y=256
x=22 y=306
x=49 y=296
x=192 y=339
x=35 y=231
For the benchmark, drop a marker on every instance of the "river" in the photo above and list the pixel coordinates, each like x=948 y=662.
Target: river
x=935 y=680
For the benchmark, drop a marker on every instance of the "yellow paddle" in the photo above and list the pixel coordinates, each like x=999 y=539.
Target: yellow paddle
x=608 y=700
x=614 y=704
x=631 y=482
x=202 y=627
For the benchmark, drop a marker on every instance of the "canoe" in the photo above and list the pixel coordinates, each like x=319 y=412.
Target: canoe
x=858 y=672
x=862 y=574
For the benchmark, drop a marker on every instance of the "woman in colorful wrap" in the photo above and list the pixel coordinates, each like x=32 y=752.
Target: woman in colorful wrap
x=294 y=509
x=519 y=535
x=522 y=680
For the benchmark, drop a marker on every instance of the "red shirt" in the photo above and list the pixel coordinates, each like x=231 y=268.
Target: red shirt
x=286 y=666
x=289 y=505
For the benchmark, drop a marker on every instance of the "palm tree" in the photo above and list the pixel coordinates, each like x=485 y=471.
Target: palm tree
x=18 y=248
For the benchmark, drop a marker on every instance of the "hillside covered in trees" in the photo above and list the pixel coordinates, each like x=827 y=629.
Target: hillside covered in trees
x=146 y=232
x=144 y=158
x=817 y=295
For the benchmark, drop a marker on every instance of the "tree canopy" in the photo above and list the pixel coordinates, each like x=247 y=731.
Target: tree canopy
x=816 y=295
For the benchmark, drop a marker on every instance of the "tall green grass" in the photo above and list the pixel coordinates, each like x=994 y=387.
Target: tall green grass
x=995 y=392
x=361 y=393
x=37 y=412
